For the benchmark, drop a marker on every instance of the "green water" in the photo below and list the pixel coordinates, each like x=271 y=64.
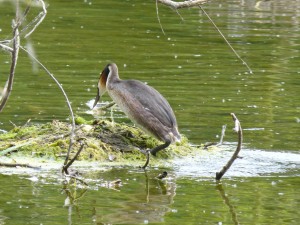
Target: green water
x=203 y=81
x=142 y=199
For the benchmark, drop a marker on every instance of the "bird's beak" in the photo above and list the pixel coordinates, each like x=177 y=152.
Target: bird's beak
x=97 y=98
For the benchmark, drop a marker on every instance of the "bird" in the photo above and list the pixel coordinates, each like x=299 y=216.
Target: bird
x=142 y=104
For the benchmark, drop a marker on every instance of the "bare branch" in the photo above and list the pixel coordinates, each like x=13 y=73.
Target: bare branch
x=66 y=97
x=157 y=14
x=184 y=4
x=6 y=48
x=238 y=129
x=68 y=164
x=14 y=59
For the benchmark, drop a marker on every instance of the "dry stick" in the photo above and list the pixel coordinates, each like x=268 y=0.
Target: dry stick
x=18 y=165
x=15 y=49
x=67 y=100
x=65 y=167
x=227 y=42
x=6 y=48
x=237 y=129
x=184 y=4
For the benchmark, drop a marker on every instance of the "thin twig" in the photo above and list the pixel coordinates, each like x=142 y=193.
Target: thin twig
x=227 y=42
x=209 y=144
x=222 y=135
x=67 y=100
x=67 y=165
x=157 y=15
x=39 y=18
x=18 y=165
x=6 y=48
x=238 y=129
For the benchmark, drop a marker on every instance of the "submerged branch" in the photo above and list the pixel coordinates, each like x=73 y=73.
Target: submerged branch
x=238 y=129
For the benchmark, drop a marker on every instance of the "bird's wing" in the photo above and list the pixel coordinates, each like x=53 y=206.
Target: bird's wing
x=152 y=101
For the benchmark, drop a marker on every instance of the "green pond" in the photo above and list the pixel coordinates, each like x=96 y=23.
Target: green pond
x=193 y=67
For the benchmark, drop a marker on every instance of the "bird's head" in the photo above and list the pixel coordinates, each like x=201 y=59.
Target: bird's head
x=101 y=86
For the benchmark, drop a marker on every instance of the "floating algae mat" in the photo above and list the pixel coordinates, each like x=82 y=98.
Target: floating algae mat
x=105 y=142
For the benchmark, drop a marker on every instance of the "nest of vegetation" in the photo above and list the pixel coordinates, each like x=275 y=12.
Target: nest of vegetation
x=104 y=142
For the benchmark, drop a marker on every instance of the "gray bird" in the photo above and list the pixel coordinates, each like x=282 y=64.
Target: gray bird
x=143 y=105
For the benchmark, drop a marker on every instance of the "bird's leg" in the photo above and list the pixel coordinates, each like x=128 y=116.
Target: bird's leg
x=160 y=147
x=153 y=151
x=147 y=153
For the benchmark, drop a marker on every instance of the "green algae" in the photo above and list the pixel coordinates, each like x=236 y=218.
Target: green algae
x=105 y=141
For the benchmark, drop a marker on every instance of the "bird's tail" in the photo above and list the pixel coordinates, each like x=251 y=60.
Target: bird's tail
x=175 y=135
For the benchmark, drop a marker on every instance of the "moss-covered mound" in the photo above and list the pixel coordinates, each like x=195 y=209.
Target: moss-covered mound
x=104 y=141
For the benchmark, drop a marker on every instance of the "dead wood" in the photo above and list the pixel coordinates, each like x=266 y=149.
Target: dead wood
x=238 y=129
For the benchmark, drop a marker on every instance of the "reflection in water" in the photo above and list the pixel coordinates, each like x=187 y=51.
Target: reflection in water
x=73 y=195
x=144 y=199
x=147 y=202
x=147 y=207
x=226 y=200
